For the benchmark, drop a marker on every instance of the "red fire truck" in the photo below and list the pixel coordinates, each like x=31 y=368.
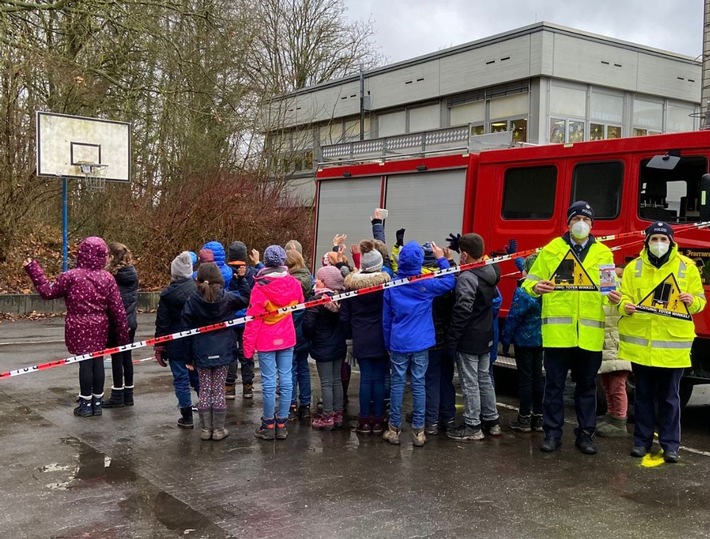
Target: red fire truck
x=444 y=181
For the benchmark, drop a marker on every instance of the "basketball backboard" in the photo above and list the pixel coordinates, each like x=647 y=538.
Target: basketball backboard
x=65 y=142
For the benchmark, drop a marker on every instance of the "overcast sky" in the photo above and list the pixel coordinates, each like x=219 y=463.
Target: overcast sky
x=409 y=28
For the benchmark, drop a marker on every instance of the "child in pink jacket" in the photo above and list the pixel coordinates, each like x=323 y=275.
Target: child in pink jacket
x=273 y=337
x=93 y=302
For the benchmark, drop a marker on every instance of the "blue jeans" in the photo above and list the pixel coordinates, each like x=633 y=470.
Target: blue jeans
x=183 y=378
x=301 y=377
x=479 y=397
x=372 y=387
x=440 y=391
x=417 y=363
x=269 y=363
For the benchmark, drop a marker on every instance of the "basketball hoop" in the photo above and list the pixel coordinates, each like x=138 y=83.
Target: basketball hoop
x=94 y=176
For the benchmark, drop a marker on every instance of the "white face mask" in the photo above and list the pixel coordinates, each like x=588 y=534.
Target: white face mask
x=659 y=248
x=580 y=230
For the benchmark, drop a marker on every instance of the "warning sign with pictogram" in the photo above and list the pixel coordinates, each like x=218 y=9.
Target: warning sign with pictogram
x=665 y=300
x=571 y=275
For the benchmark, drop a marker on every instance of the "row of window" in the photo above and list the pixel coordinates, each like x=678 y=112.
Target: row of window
x=668 y=195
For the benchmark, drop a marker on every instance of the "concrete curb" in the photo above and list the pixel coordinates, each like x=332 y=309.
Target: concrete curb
x=23 y=304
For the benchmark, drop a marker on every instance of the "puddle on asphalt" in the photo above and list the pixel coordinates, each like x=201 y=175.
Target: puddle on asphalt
x=93 y=467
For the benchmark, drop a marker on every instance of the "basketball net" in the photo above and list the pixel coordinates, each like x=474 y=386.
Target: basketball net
x=94 y=177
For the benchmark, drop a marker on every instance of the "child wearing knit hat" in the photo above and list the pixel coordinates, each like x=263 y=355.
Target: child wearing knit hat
x=321 y=326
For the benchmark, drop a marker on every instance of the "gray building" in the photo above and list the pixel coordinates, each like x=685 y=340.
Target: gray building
x=543 y=83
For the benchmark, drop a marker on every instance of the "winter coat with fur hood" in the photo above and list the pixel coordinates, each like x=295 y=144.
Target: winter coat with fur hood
x=361 y=316
x=91 y=295
x=273 y=289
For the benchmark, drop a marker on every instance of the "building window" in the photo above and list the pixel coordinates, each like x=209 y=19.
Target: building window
x=529 y=193
x=599 y=183
x=647 y=117
x=478 y=129
x=566 y=130
x=602 y=132
x=518 y=127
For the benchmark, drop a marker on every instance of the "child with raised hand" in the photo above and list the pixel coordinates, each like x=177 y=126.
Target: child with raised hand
x=211 y=352
x=121 y=267
x=322 y=327
x=408 y=328
x=93 y=304
x=167 y=321
x=273 y=337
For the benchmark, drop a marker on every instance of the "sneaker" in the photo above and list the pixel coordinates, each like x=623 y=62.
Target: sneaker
x=304 y=411
x=431 y=430
x=418 y=438
x=585 y=444
x=323 y=422
x=638 y=451
x=281 y=430
x=391 y=435
x=446 y=425
x=492 y=429
x=293 y=413
x=230 y=393
x=248 y=391
x=363 y=425
x=536 y=423
x=671 y=457
x=465 y=433
x=338 y=419
x=550 y=444
x=378 y=426
x=266 y=430
x=521 y=424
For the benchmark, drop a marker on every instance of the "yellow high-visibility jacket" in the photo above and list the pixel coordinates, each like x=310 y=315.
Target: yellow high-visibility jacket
x=652 y=339
x=570 y=318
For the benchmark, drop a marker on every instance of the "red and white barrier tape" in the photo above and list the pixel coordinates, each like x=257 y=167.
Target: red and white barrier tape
x=313 y=303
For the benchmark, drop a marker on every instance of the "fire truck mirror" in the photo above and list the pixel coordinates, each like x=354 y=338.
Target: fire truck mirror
x=704 y=206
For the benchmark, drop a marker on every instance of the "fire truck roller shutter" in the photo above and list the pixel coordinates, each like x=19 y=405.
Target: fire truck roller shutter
x=345 y=207
x=429 y=205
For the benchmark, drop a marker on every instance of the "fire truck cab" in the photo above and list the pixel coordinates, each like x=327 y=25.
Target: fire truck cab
x=445 y=181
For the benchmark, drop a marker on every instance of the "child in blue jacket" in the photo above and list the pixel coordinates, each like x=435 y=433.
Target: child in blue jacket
x=523 y=329
x=408 y=328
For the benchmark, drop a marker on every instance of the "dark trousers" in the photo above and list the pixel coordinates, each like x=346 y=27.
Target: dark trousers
x=122 y=366
x=247 y=365
x=92 y=377
x=531 y=384
x=657 y=384
x=583 y=365
x=439 y=387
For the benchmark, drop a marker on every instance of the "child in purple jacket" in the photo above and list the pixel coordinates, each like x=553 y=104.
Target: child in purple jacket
x=93 y=304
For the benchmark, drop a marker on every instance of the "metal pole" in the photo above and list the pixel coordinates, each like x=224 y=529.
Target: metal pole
x=65 y=225
x=362 y=102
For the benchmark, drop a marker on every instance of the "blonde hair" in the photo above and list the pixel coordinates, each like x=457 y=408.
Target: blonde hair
x=294 y=260
x=210 y=282
x=120 y=256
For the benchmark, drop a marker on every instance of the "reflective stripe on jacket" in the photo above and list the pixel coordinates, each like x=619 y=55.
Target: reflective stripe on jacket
x=570 y=318
x=651 y=339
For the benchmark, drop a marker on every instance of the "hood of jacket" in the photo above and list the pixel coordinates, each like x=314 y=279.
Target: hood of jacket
x=216 y=311
x=275 y=284
x=490 y=274
x=306 y=279
x=358 y=280
x=92 y=254
x=127 y=277
x=179 y=289
x=410 y=260
x=218 y=251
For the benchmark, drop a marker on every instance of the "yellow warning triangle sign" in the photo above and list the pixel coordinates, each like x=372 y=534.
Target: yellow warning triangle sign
x=664 y=299
x=571 y=275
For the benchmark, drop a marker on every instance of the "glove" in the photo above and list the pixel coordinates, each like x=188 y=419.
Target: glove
x=454 y=241
x=512 y=246
x=400 y=237
x=158 y=352
x=519 y=263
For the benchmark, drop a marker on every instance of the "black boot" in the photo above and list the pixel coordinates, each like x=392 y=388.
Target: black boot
x=84 y=408
x=96 y=404
x=128 y=395
x=186 y=421
x=116 y=400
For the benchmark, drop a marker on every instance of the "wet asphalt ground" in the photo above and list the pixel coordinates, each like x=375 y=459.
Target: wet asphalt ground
x=134 y=473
